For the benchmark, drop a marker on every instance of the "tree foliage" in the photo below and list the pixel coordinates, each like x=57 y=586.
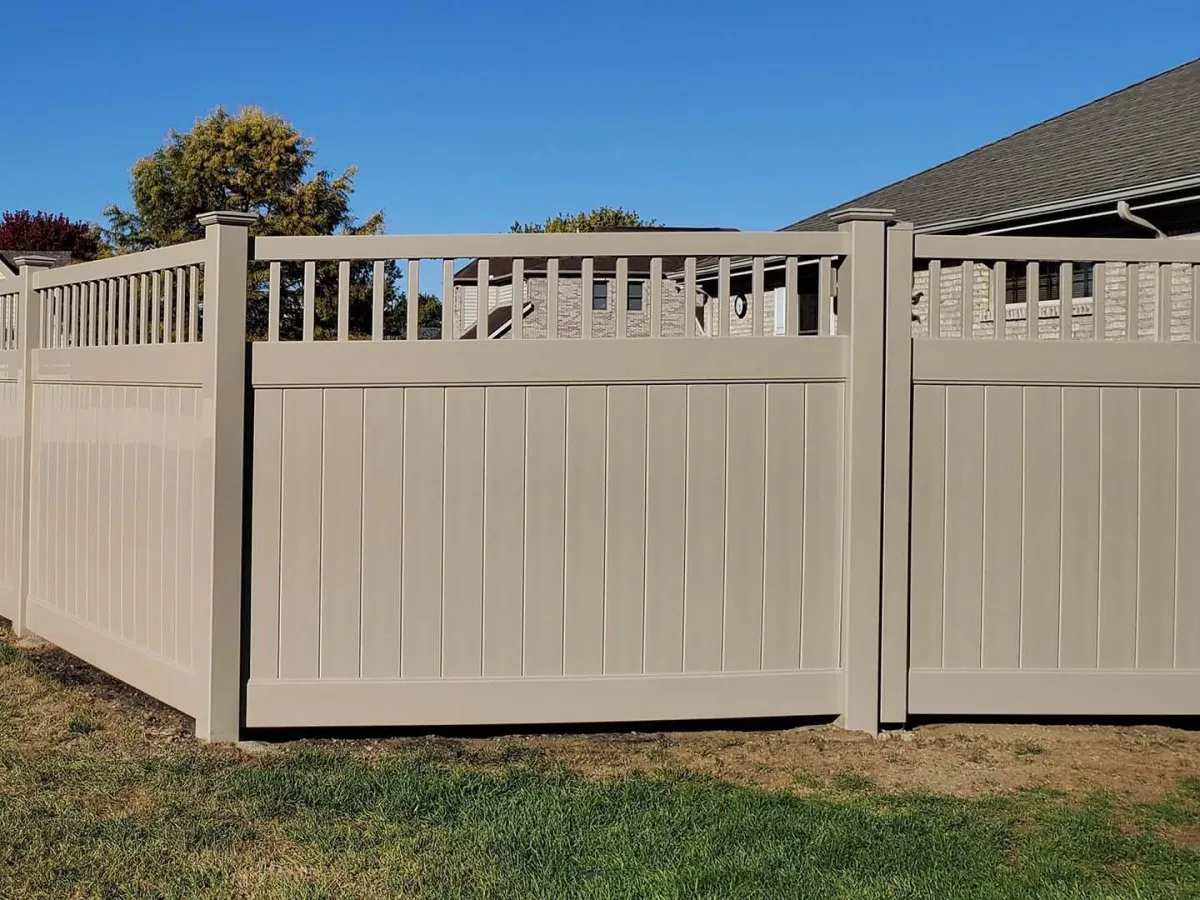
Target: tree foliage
x=254 y=162
x=602 y=218
x=22 y=230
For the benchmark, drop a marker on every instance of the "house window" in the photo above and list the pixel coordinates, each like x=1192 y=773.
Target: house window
x=634 y=293
x=599 y=295
x=1016 y=289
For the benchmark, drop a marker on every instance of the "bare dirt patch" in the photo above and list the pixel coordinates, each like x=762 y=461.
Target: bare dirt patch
x=1137 y=763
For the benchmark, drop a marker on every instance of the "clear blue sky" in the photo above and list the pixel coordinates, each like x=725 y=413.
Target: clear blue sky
x=463 y=116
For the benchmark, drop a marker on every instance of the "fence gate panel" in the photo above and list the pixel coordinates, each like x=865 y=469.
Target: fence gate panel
x=545 y=530
x=1054 y=486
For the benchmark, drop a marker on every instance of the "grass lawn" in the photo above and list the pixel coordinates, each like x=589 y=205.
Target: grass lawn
x=101 y=797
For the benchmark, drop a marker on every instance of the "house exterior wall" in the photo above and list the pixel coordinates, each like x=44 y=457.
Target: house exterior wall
x=1115 y=310
x=570 y=308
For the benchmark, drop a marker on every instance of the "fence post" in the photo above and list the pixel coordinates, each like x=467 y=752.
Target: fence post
x=897 y=472
x=861 y=298
x=29 y=337
x=228 y=237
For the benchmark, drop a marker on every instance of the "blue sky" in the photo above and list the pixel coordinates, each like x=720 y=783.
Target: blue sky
x=463 y=116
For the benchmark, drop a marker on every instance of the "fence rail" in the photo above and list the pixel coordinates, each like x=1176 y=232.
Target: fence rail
x=578 y=515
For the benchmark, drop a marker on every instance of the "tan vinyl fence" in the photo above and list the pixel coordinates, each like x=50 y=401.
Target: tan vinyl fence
x=614 y=514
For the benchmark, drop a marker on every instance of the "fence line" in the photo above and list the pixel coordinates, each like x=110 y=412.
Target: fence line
x=668 y=475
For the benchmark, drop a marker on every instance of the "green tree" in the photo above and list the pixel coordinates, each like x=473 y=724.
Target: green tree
x=253 y=162
x=602 y=218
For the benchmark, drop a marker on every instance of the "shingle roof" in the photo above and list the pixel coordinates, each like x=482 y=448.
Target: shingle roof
x=1145 y=134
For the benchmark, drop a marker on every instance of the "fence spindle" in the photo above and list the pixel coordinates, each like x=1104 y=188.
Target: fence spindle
x=585 y=297
x=723 y=304
x=193 y=303
x=967 y=299
x=552 y=298
x=622 y=300
x=516 y=317
x=310 y=299
x=689 y=297
x=759 y=311
x=273 y=302
x=1195 y=311
x=343 y=307
x=1099 y=300
x=655 y=300
x=378 y=298
x=1066 y=290
x=483 y=299
x=825 y=296
x=1132 y=273
x=1000 y=299
x=935 y=298
x=1165 y=271
x=413 y=326
x=1033 y=284
x=791 y=286
x=449 y=303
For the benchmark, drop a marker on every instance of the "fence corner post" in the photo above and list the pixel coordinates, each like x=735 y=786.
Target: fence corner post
x=897 y=474
x=862 y=297
x=219 y=713
x=29 y=338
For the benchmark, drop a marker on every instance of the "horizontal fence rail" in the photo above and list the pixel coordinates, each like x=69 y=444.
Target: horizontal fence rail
x=623 y=284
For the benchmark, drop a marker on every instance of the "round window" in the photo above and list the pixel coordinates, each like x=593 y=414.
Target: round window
x=740 y=306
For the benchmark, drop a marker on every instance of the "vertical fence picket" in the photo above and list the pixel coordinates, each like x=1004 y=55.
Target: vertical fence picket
x=310 y=300
x=483 y=299
x=449 y=303
x=552 y=298
x=1162 y=305
x=689 y=297
x=724 y=313
x=1066 y=286
x=1099 y=300
x=935 y=298
x=621 y=301
x=967 y=299
x=758 y=310
x=1032 y=287
x=193 y=303
x=655 y=310
x=825 y=296
x=1000 y=299
x=585 y=297
x=1132 y=271
x=273 y=302
x=343 y=302
x=516 y=316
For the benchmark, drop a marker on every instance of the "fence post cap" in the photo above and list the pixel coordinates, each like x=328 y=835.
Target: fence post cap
x=33 y=261
x=863 y=214
x=227 y=217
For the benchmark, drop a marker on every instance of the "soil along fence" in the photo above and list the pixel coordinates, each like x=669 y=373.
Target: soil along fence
x=694 y=475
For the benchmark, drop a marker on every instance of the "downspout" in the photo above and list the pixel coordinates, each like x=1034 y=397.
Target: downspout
x=1124 y=213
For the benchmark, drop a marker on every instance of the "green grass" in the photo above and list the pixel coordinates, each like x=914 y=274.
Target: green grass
x=106 y=813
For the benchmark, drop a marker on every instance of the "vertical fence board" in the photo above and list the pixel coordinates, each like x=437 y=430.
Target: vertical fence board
x=382 y=532
x=583 y=643
x=744 y=523
x=705 y=577
x=929 y=525
x=1187 y=539
x=820 y=626
x=1002 y=527
x=1118 y=527
x=300 y=540
x=784 y=495
x=168 y=595
x=545 y=487
x=1156 y=529
x=625 y=517
x=462 y=653
x=421 y=565
x=963 y=617
x=341 y=533
x=666 y=487
x=503 y=530
x=1041 y=563
x=1081 y=526
x=264 y=537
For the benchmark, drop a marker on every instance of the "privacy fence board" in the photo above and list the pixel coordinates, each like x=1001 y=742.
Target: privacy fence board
x=637 y=476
